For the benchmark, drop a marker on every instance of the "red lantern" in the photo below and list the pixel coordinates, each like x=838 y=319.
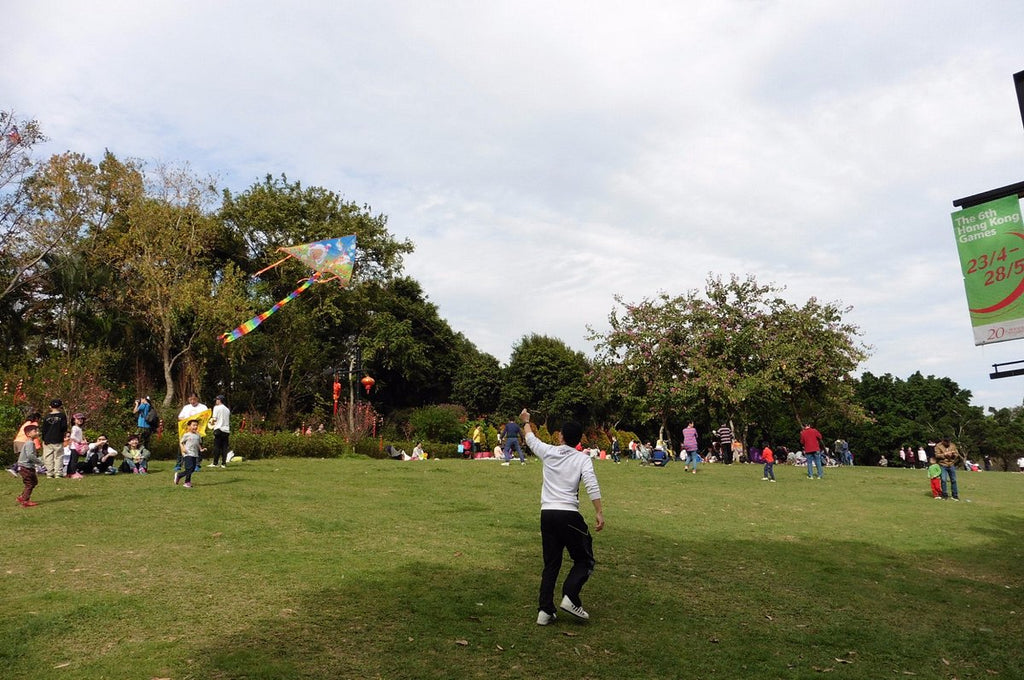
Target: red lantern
x=367 y=382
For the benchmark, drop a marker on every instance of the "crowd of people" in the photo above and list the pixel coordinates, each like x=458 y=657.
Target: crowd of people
x=51 y=446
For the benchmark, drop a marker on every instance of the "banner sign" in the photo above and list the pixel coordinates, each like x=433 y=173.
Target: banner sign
x=990 y=240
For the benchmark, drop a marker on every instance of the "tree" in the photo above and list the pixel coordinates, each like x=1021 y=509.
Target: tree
x=549 y=378
x=72 y=201
x=912 y=412
x=477 y=384
x=737 y=348
x=162 y=247
x=277 y=212
x=999 y=435
x=20 y=252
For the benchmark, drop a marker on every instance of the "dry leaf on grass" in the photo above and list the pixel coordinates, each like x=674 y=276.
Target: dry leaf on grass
x=462 y=643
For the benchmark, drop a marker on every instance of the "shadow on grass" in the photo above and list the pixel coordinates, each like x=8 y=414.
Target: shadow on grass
x=781 y=607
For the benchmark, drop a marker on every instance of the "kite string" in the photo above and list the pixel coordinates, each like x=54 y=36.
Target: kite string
x=268 y=268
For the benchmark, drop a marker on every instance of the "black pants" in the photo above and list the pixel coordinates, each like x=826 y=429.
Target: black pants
x=564 y=530
x=220 y=447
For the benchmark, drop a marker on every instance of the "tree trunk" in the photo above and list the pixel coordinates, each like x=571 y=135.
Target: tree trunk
x=165 y=355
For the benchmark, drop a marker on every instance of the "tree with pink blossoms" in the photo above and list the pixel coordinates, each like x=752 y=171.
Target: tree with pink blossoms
x=736 y=350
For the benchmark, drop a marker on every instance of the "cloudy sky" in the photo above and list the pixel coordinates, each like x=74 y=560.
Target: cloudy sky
x=546 y=156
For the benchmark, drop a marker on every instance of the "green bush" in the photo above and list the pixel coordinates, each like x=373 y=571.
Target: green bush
x=265 y=445
x=438 y=423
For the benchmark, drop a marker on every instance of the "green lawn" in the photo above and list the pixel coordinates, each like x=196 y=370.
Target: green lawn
x=377 y=569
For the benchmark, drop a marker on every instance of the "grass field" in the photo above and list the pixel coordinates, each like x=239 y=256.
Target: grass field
x=355 y=568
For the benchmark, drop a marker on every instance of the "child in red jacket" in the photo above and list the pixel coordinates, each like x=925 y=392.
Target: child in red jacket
x=769 y=464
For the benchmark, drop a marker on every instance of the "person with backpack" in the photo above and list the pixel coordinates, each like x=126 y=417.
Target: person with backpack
x=149 y=420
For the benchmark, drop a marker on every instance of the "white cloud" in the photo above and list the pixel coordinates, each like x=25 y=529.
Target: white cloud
x=545 y=157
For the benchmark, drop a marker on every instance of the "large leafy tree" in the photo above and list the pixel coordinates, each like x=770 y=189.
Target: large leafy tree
x=73 y=200
x=21 y=249
x=735 y=350
x=1000 y=435
x=413 y=351
x=547 y=376
x=477 y=384
x=163 y=246
x=911 y=412
x=304 y=345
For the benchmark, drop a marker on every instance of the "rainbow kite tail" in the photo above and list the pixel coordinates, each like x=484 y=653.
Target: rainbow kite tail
x=252 y=323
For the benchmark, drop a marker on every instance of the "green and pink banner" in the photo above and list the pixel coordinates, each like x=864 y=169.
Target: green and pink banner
x=990 y=240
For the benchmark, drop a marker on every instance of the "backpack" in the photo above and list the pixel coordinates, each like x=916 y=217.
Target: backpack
x=152 y=418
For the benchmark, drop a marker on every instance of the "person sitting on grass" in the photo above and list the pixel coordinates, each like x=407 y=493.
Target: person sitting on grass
x=658 y=457
x=100 y=458
x=136 y=456
x=70 y=453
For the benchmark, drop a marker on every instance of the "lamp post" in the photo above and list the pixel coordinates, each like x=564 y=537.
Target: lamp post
x=355 y=365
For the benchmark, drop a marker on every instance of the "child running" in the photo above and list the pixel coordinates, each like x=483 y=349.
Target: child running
x=191 y=447
x=27 y=461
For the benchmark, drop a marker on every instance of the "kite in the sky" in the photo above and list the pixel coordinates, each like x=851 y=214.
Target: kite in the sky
x=330 y=260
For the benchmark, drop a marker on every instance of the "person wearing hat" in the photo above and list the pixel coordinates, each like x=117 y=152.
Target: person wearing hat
x=136 y=455
x=221 y=424
x=53 y=429
x=947 y=456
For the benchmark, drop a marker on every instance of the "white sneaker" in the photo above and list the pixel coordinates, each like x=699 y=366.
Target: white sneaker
x=577 y=611
x=543 y=618
x=211 y=465
x=505 y=464
x=764 y=479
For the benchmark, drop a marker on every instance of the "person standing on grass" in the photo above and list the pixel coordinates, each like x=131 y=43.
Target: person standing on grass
x=562 y=527
x=192 y=409
x=690 y=446
x=191 y=446
x=934 y=478
x=947 y=456
x=221 y=424
x=810 y=440
x=143 y=407
x=511 y=433
x=725 y=443
x=54 y=427
x=768 y=456
x=478 y=439
x=27 y=461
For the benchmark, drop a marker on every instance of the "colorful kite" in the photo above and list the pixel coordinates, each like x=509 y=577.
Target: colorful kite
x=332 y=256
